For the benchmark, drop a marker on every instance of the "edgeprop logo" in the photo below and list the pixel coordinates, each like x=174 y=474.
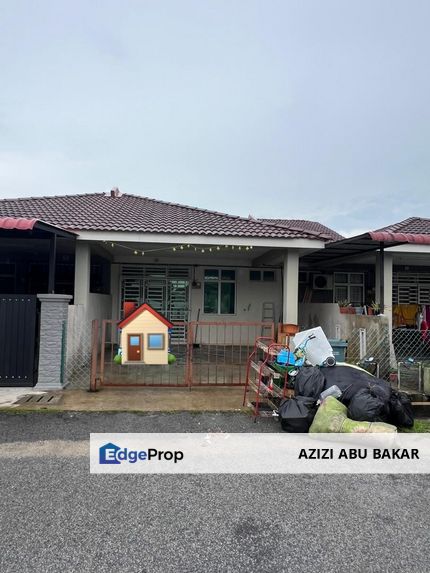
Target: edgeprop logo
x=112 y=454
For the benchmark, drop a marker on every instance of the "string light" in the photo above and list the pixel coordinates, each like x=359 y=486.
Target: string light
x=180 y=247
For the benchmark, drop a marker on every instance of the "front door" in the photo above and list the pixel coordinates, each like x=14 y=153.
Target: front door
x=134 y=350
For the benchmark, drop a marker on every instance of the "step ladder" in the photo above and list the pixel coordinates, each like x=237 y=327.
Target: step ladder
x=267 y=315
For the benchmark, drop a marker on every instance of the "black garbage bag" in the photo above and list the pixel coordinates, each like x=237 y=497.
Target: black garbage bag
x=371 y=404
x=309 y=382
x=401 y=413
x=351 y=380
x=297 y=414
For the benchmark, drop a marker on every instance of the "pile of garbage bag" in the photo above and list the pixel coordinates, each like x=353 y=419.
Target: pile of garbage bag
x=359 y=402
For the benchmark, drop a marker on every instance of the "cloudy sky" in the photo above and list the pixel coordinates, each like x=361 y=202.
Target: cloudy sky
x=295 y=109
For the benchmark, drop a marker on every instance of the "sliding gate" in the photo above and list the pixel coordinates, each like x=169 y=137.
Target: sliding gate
x=18 y=340
x=213 y=354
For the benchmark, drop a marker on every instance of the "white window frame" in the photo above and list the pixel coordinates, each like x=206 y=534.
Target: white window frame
x=220 y=281
x=348 y=284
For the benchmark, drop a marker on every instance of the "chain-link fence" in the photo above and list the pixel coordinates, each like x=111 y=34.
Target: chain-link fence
x=371 y=349
x=401 y=360
x=77 y=351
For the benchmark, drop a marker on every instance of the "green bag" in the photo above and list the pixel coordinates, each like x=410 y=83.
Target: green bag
x=332 y=417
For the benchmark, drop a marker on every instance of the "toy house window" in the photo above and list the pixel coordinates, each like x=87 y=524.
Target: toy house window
x=155 y=341
x=220 y=291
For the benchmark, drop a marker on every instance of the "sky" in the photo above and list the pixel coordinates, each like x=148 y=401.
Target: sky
x=297 y=109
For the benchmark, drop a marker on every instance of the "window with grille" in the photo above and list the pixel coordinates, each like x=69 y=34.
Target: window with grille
x=411 y=288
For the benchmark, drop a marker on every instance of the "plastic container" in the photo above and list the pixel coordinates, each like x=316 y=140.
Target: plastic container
x=332 y=391
x=339 y=348
x=286 y=357
x=318 y=349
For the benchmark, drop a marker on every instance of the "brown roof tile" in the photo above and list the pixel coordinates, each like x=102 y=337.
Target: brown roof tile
x=411 y=226
x=104 y=212
x=303 y=225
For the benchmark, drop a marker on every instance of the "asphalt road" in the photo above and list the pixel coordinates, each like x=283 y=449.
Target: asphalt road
x=56 y=517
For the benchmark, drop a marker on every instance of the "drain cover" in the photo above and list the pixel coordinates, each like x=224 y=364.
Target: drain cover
x=47 y=399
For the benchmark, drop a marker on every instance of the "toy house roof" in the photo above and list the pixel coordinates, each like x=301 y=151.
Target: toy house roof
x=139 y=311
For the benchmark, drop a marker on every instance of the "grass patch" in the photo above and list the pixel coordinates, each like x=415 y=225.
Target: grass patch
x=419 y=427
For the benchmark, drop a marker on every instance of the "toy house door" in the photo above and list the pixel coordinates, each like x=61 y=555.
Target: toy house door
x=134 y=350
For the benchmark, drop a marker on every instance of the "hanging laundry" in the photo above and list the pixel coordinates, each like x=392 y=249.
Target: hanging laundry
x=405 y=314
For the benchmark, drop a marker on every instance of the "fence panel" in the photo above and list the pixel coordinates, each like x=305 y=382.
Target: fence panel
x=412 y=350
x=218 y=351
x=77 y=349
x=365 y=343
x=401 y=361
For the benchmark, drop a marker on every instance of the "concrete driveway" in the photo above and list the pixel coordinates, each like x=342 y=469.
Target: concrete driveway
x=56 y=517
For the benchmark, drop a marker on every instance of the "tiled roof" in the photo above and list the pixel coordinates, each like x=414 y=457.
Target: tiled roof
x=411 y=226
x=308 y=226
x=124 y=212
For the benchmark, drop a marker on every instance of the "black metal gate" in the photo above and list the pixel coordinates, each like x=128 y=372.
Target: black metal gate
x=18 y=325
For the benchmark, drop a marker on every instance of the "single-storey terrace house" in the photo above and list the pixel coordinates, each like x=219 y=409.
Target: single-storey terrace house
x=111 y=252
x=185 y=262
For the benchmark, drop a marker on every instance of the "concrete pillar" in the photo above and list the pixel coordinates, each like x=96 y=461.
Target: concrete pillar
x=115 y=291
x=290 y=295
x=82 y=273
x=388 y=286
x=52 y=345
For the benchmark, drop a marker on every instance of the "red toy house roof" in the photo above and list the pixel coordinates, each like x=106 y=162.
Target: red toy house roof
x=139 y=311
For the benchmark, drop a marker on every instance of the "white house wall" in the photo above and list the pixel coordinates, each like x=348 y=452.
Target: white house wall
x=250 y=295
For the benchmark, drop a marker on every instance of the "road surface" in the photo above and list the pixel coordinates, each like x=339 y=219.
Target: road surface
x=56 y=517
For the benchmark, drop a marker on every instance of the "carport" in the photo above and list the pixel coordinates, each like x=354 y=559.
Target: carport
x=24 y=242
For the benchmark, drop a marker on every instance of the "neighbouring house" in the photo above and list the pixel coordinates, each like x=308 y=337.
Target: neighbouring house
x=144 y=336
x=388 y=268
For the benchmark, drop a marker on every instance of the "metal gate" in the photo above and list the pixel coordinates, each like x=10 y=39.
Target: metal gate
x=165 y=288
x=213 y=354
x=18 y=324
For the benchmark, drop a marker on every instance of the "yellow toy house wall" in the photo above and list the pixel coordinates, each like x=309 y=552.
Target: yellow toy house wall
x=144 y=324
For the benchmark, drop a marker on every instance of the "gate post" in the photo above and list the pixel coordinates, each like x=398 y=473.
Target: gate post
x=189 y=356
x=53 y=317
